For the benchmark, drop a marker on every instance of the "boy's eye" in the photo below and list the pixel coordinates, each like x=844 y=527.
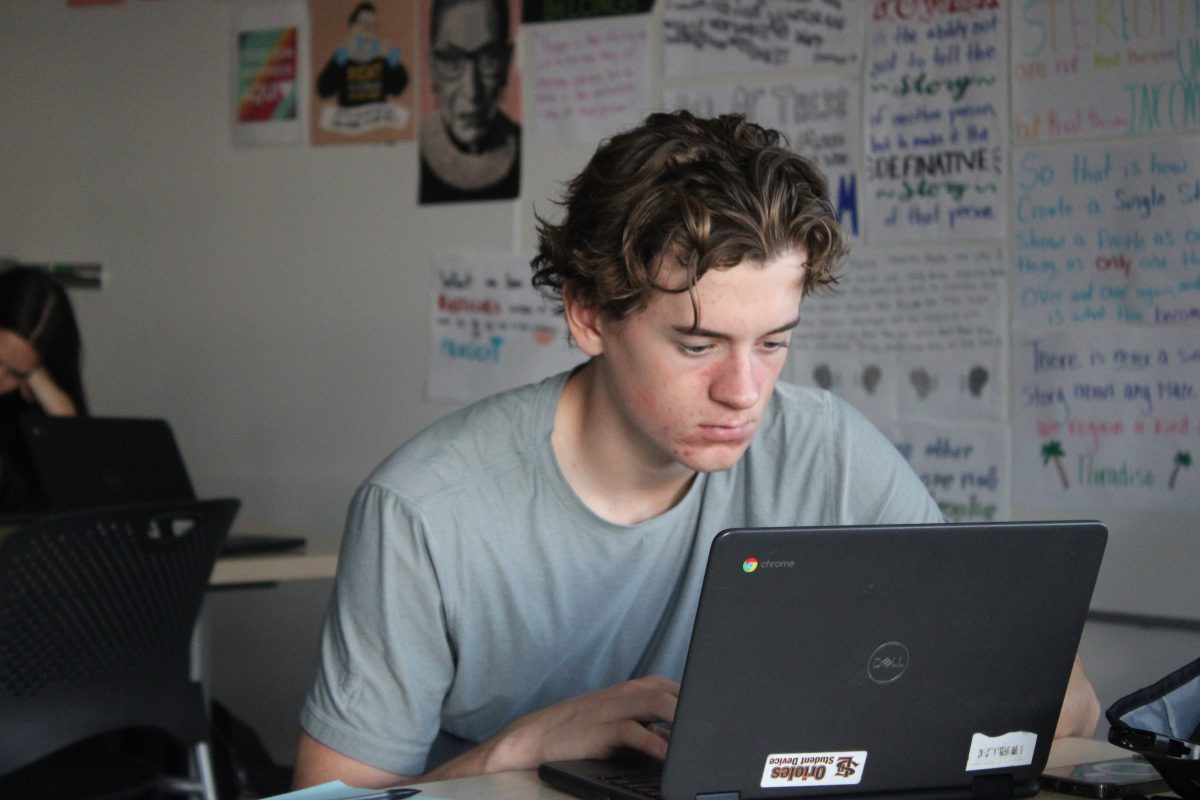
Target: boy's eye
x=694 y=349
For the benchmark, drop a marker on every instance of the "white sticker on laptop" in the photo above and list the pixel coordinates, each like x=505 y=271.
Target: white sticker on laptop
x=841 y=768
x=1013 y=749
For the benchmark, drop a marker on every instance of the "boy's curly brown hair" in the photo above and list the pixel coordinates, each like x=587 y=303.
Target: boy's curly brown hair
x=714 y=192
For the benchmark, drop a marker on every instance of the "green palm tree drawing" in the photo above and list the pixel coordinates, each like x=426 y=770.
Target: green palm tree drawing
x=1182 y=459
x=1053 y=449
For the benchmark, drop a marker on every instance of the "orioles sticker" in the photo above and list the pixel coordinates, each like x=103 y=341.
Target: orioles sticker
x=841 y=768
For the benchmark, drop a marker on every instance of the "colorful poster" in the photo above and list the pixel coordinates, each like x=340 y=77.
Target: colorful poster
x=725 y=37
x=1106 y=419
x=270 y=104
x=590 y=79
x=1107 y=233
x=936 y=127
x=362 y=57
x=1089 y=69
x=914 y=334
x=470 y=134
x=490 y=330
x=819 y=116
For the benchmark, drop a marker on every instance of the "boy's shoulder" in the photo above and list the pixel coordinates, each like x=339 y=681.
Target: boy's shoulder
x=490 y=434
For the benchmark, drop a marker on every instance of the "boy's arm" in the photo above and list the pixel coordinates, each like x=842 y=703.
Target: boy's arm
x=1081 y=708
x=594 y=725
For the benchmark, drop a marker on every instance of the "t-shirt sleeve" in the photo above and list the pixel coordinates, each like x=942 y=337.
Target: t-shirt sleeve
x=880 y=487
x=385 y=662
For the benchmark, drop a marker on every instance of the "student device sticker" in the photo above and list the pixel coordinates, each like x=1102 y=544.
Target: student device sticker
x=1013 y=749
x=841 y=768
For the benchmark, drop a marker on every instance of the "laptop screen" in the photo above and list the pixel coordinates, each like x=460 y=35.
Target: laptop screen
x=884 y=660
x=87 y=462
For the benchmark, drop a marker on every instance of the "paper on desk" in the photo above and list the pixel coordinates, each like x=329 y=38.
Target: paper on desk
x=335 y=790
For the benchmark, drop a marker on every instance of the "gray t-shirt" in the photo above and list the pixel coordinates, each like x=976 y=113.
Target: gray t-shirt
x=474 y=586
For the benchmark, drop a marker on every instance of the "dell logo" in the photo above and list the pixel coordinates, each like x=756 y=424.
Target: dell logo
x=888 y=662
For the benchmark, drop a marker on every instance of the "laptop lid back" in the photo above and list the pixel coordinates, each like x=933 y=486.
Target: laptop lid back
x=86 y=462
x=915 y=660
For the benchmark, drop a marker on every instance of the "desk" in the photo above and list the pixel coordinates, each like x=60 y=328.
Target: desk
x=524 y=785
x=310 y=563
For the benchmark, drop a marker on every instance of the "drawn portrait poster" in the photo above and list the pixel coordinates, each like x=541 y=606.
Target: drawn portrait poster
x=935 y=122
x=725 y=37
x=1106 y=419
x=1092 y=69
x=470 y=133
x=270 y=71
x=490 y=330
x=362 y=67
x=819 y=116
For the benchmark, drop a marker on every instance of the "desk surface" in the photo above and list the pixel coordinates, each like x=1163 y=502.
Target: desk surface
x=526 y=786
x=309 y=563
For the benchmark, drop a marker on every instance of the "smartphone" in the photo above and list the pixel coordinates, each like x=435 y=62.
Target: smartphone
x=1105 y=779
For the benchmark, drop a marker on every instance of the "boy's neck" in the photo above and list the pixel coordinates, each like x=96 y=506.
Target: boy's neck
x=601 y=459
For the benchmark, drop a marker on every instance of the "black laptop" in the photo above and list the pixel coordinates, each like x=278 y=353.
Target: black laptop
x=912 y=661
x=91 y=462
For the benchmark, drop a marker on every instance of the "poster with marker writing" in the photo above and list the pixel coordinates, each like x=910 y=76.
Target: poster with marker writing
x=964 y=466
x=1107 y=233
x=490 y=330
x=1104 y=69
x=725 y=37
x=935 y=128
x=1106 y=419
x=589 y=79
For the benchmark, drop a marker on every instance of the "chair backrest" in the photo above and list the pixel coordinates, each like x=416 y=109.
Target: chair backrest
x=97 y=610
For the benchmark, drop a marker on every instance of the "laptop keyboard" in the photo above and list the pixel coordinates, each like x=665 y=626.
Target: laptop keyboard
x=647 y=784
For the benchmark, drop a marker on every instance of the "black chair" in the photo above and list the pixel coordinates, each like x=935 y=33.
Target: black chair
x=97 y=610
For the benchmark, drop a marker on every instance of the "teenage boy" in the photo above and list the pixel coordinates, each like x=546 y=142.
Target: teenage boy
x=518 y=582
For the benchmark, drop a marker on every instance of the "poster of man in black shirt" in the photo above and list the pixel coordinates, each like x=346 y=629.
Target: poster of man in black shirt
x=470 y=146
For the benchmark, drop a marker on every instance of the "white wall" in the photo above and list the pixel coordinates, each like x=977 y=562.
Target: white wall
x=271 y=303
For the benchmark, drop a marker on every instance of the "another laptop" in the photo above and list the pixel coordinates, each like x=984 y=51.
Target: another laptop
x=90 y=462
x=910 y=661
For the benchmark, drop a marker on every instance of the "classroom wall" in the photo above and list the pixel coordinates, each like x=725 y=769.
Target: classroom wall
x=272 y=303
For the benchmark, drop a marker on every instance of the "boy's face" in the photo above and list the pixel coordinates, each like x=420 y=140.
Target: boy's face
x=695 y=398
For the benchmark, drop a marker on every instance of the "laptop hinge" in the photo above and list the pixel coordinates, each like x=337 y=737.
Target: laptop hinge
x=992 y=787
x=719 y=796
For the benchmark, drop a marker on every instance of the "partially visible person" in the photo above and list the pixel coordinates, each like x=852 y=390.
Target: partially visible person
x=40 y=355
x=470 y=150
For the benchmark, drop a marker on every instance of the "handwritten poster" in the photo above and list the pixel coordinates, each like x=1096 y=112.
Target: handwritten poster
x=1107 y=233
x=1106 y=419
x=965 y=467
x=1104 y=68
x=819 y=116
x=935 y=128
x=590 y=79
x=489 y=328
x=915 y=334
x=719 y=37
x=270 y=54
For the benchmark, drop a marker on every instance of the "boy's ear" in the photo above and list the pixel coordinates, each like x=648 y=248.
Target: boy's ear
x=584 y=324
